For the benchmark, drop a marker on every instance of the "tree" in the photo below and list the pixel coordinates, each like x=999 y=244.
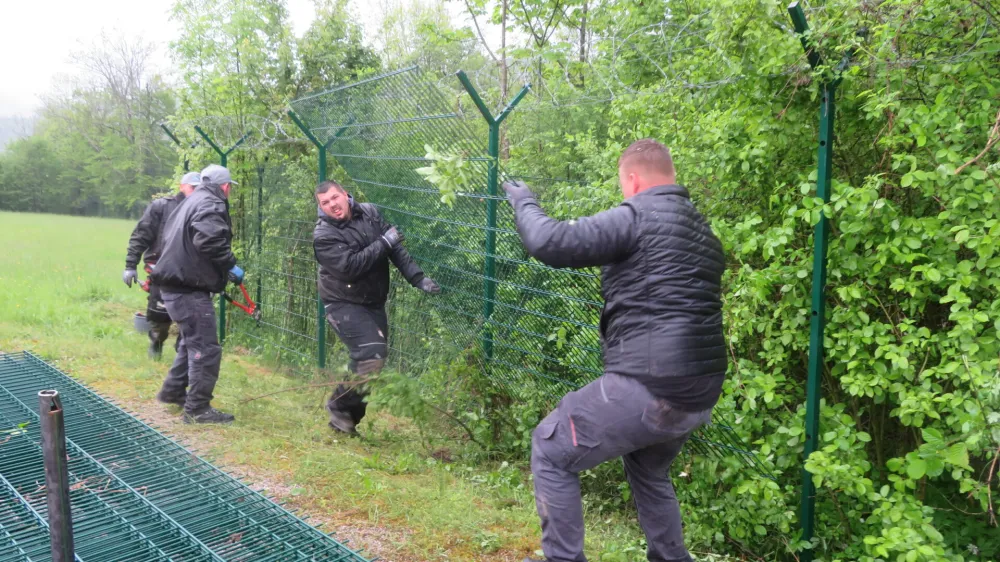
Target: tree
x=332 y=51
x=104 y=133
x=424 y=34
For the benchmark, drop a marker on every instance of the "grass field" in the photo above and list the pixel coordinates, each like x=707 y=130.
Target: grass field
x=62 y=298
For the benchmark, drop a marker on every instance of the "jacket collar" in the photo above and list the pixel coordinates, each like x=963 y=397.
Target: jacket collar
x=212 y=189
x=669 y=189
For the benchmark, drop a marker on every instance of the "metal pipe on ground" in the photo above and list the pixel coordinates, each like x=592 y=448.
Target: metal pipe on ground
x=56 y=475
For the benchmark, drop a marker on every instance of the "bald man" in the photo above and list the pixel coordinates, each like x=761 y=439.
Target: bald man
x=664 y=351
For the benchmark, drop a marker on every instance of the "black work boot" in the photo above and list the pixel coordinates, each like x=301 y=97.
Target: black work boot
x=341 y=421
x=168 y=399
x=210 y=415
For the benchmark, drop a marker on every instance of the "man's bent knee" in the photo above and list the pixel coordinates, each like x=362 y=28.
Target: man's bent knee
x=369 y=366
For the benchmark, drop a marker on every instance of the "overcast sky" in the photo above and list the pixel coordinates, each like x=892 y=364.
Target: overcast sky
x=39 y=35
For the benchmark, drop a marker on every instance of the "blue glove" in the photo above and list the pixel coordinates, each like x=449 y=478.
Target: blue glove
x=236 y=274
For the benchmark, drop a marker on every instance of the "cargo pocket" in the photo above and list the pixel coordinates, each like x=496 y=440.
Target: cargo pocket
x=581 y=434
x=544 y=430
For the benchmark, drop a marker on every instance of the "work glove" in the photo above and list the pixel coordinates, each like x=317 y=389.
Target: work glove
x=129 y=277
x=236 y=274
x=517 y=190
x=392 y=238
x=428 y=285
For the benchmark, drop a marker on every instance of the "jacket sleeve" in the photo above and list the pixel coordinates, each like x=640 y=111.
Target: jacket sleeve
x=143 y=235
x=336 y=256
x=211 y=238
x=604 y=238
x=405 y=264
x=399 y=256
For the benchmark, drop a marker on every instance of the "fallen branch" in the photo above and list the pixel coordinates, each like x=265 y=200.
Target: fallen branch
x=459 y=422
x=994 y=138
x=308 y=386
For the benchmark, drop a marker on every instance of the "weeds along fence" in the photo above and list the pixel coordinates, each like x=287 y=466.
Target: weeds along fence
x=532 y=329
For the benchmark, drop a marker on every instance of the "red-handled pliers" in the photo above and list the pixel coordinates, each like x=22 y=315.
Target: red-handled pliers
x=250 y=307
x=145 y=284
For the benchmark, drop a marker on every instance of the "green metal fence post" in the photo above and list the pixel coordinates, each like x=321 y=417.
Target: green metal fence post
x=223 y=161
x=492 y=181
x=821 y=235
x=320 y=310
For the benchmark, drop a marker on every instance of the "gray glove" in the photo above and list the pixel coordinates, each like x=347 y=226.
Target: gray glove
x=517 y=190
x=428 y=285
x=129 y=277
x=392 y=238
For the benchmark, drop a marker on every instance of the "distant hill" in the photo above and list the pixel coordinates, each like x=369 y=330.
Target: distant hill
x=14 y=128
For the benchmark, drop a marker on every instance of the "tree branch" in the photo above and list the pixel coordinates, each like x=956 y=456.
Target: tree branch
x=458 y=422
x=480 y=32
x=317 y=385
x=989 y=493
x=993 y=139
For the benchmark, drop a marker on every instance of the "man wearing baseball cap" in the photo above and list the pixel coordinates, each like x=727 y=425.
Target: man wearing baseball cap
x=197 y=260
x=146 y=243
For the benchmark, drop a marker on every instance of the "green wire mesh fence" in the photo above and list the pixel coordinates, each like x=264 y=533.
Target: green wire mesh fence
x=534 y=327
x=135 y=494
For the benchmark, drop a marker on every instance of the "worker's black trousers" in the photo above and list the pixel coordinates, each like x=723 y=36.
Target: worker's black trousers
x=612 y=417
x=199 y=355
x=364 y=330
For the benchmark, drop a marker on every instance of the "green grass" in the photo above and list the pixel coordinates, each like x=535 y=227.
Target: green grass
x=62 y=297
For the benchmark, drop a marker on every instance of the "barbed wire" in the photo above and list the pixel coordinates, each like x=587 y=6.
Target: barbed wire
x=255 y=131
x=669 y=54
x=683 y=55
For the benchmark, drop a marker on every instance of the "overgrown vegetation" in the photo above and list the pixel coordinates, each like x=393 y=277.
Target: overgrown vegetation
x=911 y=417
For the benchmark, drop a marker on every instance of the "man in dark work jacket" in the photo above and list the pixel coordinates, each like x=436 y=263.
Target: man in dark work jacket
x=197 y=260
x=353 y=245
x=146 y=242
x=664 y=351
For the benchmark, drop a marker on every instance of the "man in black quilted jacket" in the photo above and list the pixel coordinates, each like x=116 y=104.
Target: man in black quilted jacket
x=664 y=350
x=354 y=245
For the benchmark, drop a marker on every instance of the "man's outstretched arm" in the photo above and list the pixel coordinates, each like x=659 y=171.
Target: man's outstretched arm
x=592 y=241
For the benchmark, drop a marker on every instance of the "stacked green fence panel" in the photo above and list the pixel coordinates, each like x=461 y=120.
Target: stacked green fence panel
x=135 y=494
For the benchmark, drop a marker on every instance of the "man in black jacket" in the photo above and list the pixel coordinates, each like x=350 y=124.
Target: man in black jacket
x=353 y=246
x=145 y=243
x=196 y=261
x=664 y=351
